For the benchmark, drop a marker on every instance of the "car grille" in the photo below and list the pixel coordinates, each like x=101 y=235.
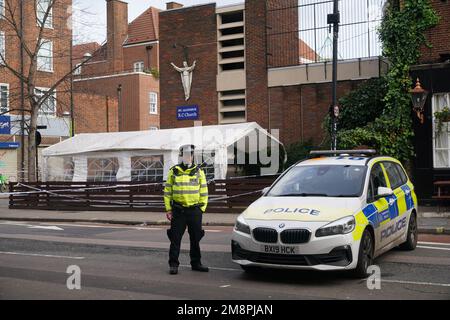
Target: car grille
x=295 y=236
x=265 y=235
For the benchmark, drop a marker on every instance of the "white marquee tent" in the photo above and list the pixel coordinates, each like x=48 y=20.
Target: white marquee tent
x=148 y=155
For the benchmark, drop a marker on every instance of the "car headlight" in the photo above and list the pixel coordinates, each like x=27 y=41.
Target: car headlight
x=241 y=225
x=341 y=226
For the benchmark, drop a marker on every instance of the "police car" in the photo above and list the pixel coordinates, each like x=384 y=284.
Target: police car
x=337 y=210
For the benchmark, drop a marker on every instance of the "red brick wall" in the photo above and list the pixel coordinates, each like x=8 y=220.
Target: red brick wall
x=194 y=27
x=60 y=35
x=282 y=33
x=299 y=110
x=135 y=98
x=95 y=113
x=438 y=36
x=256 y=64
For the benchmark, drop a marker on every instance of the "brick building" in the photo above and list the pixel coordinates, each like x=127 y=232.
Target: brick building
x=251 y=65
x=432 y=146
x=125 y=68
x=53 y=63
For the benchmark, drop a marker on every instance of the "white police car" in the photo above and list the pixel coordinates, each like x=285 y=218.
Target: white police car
x=335 y=211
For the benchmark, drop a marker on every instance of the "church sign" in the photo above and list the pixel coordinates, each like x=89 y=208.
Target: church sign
x=188 y=113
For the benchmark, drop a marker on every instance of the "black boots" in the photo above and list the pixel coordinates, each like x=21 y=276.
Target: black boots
x=199 y=267
x=173 y=270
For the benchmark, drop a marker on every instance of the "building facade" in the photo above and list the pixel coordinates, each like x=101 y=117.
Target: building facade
x=256 y=61
x=125 y=68
x=52 y=64
x=432 y=146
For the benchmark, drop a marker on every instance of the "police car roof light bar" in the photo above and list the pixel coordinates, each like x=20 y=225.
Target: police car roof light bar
x=362 y=152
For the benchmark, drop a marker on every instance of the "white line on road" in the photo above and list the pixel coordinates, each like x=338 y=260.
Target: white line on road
x=213 y=268
x=434 y=248
x=418 y=283
x=40 y=255
x=434 y=243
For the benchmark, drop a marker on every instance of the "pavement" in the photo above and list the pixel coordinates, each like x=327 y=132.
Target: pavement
x=431 y=220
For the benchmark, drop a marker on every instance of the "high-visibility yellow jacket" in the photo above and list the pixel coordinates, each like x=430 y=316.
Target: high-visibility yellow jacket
x=186 y=187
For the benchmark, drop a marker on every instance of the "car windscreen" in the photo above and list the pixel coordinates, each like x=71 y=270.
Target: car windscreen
x=321 y=181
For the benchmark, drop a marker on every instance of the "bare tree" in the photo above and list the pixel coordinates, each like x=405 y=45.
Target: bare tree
x=40 y=30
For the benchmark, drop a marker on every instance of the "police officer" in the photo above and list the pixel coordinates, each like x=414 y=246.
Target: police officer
x=185 y=199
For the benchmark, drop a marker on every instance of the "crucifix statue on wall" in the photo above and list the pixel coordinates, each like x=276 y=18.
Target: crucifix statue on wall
x=186 y=74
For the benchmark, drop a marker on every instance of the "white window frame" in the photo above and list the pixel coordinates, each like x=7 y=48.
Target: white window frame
x=153 y=102
x=139 y=66
x=77 y=70
x=3 y=47
x=2 y=9
x=445 y=129
x=40 y=65
x=41 y=112
x=7 y=98
x=152 y=128
x=40 y=14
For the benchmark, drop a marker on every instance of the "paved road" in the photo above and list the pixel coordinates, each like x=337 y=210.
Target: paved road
x=120 y=262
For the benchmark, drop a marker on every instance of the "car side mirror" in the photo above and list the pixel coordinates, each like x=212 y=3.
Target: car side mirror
x=384 y=192
x=265 y=190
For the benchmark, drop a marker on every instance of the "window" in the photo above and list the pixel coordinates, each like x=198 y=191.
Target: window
x=147 y=168
x=103 y=170
x=45 y=56
x=154 y=128
x=394 y=175
x=153 y=98
x=441 y=138
x=2 y=48
x=2 y=8
x=48 y=107
x=139 y=66
x=4 y=94
x=77 y=70
x=377 y=180
x=41 y=10
x=207 y=162
x=321 y=181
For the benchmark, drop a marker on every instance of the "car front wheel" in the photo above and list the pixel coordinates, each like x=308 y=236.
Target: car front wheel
x=365 y=255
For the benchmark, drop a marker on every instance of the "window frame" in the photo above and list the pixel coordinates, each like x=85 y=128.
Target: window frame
x=49 y=22
x=7 y=97
x=434 y=108
x=143 y=173
x=3 y=49
x=51 y=57
x=155 y=102
x=2 y=9
x=137 y=66
x=40 y=113
x=375 y=191
x=394 y=166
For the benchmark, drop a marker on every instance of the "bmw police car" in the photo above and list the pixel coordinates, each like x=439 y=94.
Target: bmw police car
x=337 y=210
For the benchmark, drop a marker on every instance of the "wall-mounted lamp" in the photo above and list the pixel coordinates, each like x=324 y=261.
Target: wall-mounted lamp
x=418 y=97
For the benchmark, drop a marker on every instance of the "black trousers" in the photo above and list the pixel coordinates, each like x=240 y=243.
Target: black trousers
x=192 y=218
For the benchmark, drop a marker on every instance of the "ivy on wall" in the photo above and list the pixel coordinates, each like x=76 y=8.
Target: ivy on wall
x=402 y=35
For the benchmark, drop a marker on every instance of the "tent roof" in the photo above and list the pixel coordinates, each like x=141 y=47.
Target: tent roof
x=204 y=137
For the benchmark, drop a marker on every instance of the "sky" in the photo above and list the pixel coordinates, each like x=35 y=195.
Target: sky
x=89 y=16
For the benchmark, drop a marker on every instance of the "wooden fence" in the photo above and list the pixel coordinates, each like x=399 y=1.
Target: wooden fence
x=233 y=195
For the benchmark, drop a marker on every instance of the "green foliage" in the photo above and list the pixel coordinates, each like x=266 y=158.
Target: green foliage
x=153 y=71
x=362 y=105
x=298 y=151
x=402 y=35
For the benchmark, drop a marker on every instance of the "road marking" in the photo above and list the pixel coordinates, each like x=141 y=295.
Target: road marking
x=418 y=283
x=213 y=268
x=55 y=228
x=434 y=243
x=434 y=248
x=40 y=255
x=217 y=231
x=226 y=286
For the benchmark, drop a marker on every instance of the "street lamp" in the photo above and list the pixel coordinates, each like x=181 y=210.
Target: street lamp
x=418 y=97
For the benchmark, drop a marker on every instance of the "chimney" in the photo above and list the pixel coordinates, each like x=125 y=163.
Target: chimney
x=117 y=31
x=173 y=5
